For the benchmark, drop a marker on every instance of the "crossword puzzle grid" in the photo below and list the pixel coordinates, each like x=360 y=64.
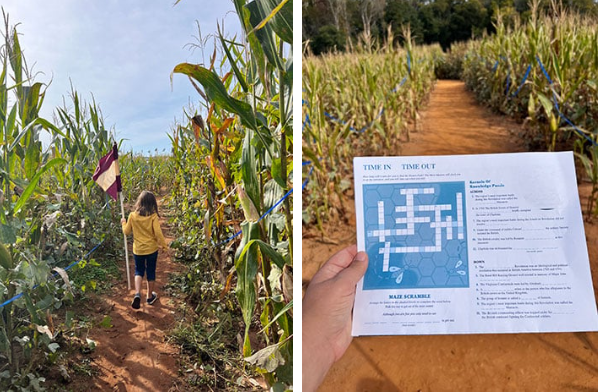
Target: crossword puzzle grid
x=408 y=221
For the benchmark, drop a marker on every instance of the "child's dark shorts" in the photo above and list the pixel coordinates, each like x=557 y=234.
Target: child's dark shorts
x=145 y=263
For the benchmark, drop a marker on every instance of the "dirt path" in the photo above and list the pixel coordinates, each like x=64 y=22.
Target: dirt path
x=455 y=124
x=132 y=355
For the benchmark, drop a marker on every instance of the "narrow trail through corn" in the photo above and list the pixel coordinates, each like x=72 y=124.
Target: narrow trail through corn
x=453 y=123
x=133 y=355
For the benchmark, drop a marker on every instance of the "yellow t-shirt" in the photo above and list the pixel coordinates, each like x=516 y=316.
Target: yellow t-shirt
x=147 y=235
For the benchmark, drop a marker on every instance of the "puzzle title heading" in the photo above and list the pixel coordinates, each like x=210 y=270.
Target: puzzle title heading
x=404 y=166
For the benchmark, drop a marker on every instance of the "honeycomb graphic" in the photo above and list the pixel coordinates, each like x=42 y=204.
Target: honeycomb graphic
x=416 y=235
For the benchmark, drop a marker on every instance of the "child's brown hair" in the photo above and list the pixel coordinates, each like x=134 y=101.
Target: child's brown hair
x=146 y=204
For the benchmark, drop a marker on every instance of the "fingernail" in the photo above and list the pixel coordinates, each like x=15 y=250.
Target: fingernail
x=361 y=256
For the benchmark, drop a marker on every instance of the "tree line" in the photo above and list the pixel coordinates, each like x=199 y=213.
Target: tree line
x=338 y=24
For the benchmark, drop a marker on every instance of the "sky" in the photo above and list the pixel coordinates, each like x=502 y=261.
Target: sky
x=120 y=53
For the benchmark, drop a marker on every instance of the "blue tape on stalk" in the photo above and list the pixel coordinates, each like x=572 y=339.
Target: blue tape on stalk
x=238 y=233
x=363 y=129
x=400 y=85
x=259 y=220
x=307 y=178
x=338 y=120
x=53 y=275
x=84 y=257
x=306 y=121
x=543 y=69
x=579 y=131
x=276 y=204
x=558 y=109
x=529 y=68
x=495 y=66
x=556 y=103
x=12 y=299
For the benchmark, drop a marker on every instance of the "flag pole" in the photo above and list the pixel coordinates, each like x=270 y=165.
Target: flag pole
x=122 y=211
x=107 y=175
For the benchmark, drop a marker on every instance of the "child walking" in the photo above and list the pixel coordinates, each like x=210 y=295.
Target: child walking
x=147 y=238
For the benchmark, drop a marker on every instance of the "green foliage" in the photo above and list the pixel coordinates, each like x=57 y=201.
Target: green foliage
x=438 y=21
x=396 y=83
x=46 y=220
x=328 y=39
x=450 y=64
x=144 y=172
x=231 y=164
x=215 y=92
x=568 y=48
x=208 y=335
x=588 y=156
x=94 y=275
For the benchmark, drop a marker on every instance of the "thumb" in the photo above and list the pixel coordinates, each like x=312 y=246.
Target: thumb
x=356 y=269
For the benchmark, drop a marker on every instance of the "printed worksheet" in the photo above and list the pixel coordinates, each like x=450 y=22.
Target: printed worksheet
x=471 y=244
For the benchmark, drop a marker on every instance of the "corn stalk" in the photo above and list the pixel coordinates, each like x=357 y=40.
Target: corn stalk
x=359 y=103
x=558 y=100
x=233 y=163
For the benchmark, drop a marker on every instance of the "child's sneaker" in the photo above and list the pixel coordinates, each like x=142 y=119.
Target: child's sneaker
x=136 y=304
x=152 y=299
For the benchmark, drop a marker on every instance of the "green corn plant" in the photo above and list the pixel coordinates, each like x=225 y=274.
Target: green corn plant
x=144 y=172
x=588 y=156
x=22 y=164
x=232 y=164
x=565 y=45
x=83 y=141
x=42 y=216
x=374 y=95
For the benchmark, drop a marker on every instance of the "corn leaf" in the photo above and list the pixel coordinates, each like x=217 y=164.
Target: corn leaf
x=246 y=266
x=546 y=103
x=248 y=166
x=32 y=159
x=257 y=57
x=285 y=309
x=33 y=184
x=268 y=358
x=265 y=35
x=22 y=134
x=216 y=92
x=279 y=17
x=277 y=173
x=233 y=62
x=16 y=60
x=5 y=257
x=249 y=209
x=283 y=319
x=31 y=102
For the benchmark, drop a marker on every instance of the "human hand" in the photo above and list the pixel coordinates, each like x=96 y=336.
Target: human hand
x=327 y=307
x=123 y=220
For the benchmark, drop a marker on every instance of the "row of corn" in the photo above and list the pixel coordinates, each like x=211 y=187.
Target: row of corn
x=544 y=73
x=361 y=103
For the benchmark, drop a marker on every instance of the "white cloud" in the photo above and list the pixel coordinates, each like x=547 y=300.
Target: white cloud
x=123 y=53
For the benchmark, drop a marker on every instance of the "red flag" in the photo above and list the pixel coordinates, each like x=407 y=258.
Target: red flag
x=107 y=174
